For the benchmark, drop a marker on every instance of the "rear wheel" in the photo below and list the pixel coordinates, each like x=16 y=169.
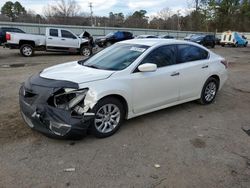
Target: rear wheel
x=109 y=115
x=27 y=50
x=209 y=91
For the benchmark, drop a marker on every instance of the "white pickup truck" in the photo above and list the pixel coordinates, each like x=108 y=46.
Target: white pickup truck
x=55 y=40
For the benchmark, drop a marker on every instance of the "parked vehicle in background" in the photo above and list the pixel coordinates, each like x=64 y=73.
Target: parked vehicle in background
x=166 y=37
x=146 y=36
x=233 y=38
x=189 y=36
x=125 y=80
x=3 y=31
x=205 y=40
x=112 y=38
x=55 y=40
x=217 y=40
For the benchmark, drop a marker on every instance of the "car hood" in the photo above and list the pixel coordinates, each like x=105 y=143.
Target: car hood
x=75 y=72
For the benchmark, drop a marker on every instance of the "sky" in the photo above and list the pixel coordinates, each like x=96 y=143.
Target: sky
x=103 y=7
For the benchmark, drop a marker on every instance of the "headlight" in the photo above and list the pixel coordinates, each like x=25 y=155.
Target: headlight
x=198 y=41
x=69 y=98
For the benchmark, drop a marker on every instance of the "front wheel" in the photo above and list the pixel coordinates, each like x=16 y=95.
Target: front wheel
x=85 y=51
x=27 y=50
x=209 y=91
x=109 y=115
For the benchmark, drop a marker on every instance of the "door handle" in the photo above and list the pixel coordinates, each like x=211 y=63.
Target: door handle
x=50 y=38
x=62 y=39
x=204 y=66
x=175 y=74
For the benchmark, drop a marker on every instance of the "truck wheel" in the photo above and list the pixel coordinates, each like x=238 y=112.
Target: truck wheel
x=85 y=51
x=27 y=50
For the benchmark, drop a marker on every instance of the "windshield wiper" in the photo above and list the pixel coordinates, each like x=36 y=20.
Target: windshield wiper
x=92 y=66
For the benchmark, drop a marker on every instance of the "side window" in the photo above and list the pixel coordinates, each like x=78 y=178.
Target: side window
x=18 y=30
x=225 y=37
x=230 y=36
x=162 y=56
x=67 y=34
x=53 y=32
x=188 y=53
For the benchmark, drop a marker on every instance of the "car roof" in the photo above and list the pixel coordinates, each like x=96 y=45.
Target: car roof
x=155 y=42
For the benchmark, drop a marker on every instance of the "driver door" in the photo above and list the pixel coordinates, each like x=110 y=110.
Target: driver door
x=159 y=88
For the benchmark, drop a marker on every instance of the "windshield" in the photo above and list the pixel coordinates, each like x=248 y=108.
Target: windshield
x=116 y=57
x=110 y=35
x=197 y=37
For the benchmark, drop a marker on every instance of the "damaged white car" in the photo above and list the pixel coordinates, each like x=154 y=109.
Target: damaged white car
x=123 y=81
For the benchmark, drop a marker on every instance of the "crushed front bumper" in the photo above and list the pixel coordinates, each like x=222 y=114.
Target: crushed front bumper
x=49 y=120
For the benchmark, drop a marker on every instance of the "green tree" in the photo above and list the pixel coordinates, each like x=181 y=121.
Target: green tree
x=137 y=19
x=13 y=10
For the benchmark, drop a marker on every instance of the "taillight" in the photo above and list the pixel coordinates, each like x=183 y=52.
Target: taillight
x=224 y=62
x=8 y=36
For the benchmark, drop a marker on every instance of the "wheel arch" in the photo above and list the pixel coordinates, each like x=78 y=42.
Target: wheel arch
x=22 y=42
x=121 y=99
x=215 y=76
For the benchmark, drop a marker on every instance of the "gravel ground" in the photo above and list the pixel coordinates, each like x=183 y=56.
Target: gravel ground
x=188 y=145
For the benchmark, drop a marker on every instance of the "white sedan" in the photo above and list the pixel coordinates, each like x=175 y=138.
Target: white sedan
x=128 y=79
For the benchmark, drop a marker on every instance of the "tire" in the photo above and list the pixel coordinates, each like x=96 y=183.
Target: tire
x=209 y=91
x=102 y=125
x=245 y=45
x=223 y=45
x=27 y=50
x=236 y=45
x=85 y=51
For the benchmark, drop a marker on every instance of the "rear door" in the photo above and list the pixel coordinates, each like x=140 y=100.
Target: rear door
x=52 y=39
x=194 y=70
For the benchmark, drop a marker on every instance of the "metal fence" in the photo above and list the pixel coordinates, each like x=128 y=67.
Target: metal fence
x=100 y=31
x=95 y=31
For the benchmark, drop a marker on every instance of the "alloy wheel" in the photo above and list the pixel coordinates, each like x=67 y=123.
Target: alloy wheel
x=107 y=118
x=210 y=91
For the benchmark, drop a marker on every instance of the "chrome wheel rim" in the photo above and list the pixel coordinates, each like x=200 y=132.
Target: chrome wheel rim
x=210 y=91
x=107 y=118
x=86 y=52
x=27 y=51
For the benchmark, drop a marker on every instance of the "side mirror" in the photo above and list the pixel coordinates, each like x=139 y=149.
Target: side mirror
x=147 y=67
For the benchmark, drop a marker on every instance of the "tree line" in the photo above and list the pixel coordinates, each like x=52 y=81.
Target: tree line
x=202 y=15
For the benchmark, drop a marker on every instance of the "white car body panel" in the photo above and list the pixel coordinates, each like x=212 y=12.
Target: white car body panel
x=144 y=92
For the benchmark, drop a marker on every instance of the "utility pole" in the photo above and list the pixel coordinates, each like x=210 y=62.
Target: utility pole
x=178 y=20
x=91 y=13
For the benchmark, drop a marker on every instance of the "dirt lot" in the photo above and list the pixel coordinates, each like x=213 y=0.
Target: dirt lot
x=195 y=146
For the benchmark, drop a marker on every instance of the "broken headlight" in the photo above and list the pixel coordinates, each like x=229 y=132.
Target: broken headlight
x=71 y=100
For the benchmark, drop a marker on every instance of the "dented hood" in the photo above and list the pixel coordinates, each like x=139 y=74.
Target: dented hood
x=75 y=72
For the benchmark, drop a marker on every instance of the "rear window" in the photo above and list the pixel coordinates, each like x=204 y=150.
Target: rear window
x=53 y=32
x=187 y=53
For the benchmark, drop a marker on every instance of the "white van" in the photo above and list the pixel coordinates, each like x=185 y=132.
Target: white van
x=233 y=38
